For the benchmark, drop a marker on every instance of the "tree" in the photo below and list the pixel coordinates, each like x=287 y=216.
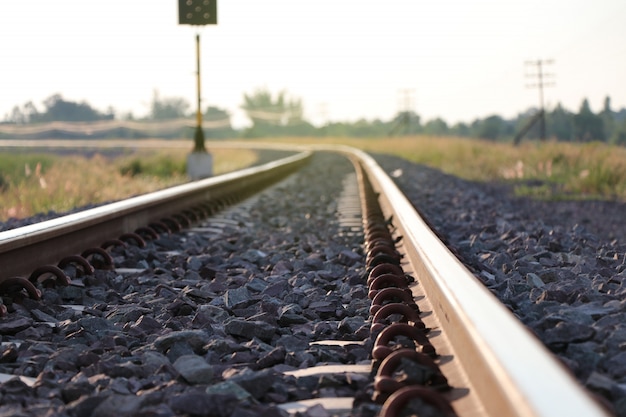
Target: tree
x=271 y=115
x=560 y=123
x=168 y=108
x=58 y=109
x=436 y=127
x=587 y=125
x=490 y=128
x=460 y=129
x=619 y=134
x=608 y=118
x=215 y=114
x=217 y=121
x=23 y=115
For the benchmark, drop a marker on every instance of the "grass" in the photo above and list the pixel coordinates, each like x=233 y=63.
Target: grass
x=39 y=183
x=547 y=170
x=34 y=183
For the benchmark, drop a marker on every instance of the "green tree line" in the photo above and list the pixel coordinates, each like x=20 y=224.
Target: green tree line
x=282 y=115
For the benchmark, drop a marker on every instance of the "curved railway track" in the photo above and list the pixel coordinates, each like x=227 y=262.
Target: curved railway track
x=437 y=338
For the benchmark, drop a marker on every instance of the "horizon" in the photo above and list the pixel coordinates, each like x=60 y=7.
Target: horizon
x=191 y=115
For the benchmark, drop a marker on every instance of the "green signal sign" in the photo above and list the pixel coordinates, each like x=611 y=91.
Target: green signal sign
x=197 y=12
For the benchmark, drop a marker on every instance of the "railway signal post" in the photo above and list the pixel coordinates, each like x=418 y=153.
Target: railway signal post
x=198 y=13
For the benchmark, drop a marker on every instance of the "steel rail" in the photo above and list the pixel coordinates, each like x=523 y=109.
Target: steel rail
x=54 y=239
x=499 y=367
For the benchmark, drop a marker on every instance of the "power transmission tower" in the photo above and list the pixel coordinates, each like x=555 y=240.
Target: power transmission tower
x=406 y=102
x=542 y=80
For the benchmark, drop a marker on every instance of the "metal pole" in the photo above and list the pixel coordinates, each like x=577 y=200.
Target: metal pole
x=199 y=135
x=542 y=109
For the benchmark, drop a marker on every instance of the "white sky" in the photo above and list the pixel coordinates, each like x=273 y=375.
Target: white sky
x=346 y=59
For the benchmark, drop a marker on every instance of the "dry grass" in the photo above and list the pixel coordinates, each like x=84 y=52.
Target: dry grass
x=551 y=170
x=38 y=183
x=42 y=183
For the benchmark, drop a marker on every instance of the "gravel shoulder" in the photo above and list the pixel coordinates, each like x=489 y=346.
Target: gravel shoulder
x=605 y=219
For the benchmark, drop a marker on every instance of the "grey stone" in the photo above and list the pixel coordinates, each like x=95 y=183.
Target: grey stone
x=347 y=257
x=567 y=332
x=610 y=319
x=250 y=329
x=273 y=357
x=253 y=255
x=325 y=309
x=350 y=325
x=291 y=314
x=534 y=281
x=207 y=314
x=256 y=383
x=586 y=356
x=118 y=406
x=73 y=390
x=96 y=325
x=616 y=365
x=152 y=361
x=15 y=325
x=125 y=314
x=276 y=289
x=194 y=338
x=594 y=311
x=178 y=349
x=194 y=369
x=281 y=267
x=147 y=324
x=292 y=343
x=237 y=297
x=197 y=404
x=314 y=261
x=229 y=388
x=71 y=293
x=600 y=383
x=256 y=285
x=223 y=345
x=85 y=405
x=554 y=295
x=42 y=316
x=194 y=263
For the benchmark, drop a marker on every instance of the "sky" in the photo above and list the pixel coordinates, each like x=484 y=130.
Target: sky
x=345 y=59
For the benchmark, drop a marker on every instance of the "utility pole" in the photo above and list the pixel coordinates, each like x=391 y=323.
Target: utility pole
x=540 y=83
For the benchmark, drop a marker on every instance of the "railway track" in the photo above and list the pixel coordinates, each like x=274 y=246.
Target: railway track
x=424 y=334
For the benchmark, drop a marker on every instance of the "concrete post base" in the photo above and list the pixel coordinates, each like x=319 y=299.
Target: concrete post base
x=199 y=165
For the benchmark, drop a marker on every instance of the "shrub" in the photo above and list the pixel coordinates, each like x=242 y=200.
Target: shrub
x=132 y=169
